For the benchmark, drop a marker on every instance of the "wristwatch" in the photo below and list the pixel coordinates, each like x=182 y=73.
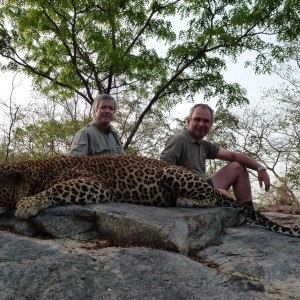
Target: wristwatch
x=261 y=168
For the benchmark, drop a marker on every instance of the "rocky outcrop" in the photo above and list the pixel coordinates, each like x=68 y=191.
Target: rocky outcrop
x=124 y=251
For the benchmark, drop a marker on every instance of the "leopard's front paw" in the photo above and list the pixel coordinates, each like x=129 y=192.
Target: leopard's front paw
x=25 y=210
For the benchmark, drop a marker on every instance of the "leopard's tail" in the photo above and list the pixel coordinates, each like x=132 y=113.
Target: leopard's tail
x=259 y=218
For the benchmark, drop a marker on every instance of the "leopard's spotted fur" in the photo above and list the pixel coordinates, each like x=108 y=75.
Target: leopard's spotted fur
x=34 y=185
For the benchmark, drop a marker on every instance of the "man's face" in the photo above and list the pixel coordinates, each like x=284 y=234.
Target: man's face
x=200 y=123
x=105 y=112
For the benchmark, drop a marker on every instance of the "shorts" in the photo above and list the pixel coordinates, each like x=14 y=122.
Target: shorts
x=209 y=181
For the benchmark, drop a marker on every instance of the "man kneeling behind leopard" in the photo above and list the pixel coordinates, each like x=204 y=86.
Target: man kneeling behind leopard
x=31 y=186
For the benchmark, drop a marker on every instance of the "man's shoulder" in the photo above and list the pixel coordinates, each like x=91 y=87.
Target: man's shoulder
x=181 y=135
x=210 y=148
x=116 y=135
x=209 y=144
x=87 y=127
x=177 y=140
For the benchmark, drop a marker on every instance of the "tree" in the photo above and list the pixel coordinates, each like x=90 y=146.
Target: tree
x=39 y=129
x=11 y=112
x=286 y=98
x=47 y=129
x=106 y=46
x=153 y=132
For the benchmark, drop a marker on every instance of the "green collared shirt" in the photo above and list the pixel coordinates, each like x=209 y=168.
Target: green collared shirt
x=95 y=140
x=183 y=150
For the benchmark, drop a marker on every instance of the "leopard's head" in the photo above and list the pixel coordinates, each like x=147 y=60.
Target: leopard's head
x=11 y=187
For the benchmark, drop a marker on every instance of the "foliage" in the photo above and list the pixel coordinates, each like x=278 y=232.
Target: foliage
x=43 y=129
x=86 y=47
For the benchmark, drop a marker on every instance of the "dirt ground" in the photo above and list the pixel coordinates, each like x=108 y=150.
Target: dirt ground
x=285 y=209
x=283 y=214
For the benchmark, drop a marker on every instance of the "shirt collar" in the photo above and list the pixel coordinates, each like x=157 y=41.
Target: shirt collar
x=189 y=137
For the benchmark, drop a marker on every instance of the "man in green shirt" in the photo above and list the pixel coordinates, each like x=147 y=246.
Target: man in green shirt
x=188 y=149
x=98 y=138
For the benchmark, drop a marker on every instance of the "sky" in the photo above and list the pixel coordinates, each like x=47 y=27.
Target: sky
x=22 y=91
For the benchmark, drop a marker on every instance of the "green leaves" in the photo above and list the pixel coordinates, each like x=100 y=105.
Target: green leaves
x=166 y=50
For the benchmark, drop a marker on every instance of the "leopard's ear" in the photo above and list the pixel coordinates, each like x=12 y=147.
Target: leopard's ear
x=15 y=178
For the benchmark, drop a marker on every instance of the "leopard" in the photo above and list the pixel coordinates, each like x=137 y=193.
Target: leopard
x=27 y=187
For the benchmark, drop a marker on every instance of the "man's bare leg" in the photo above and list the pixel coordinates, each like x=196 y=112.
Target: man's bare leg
x=235 y=175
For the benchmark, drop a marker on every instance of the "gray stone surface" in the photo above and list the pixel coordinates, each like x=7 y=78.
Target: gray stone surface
x=163 y=253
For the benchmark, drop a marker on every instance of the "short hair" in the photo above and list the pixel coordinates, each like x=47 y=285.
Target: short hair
x=202 y=105
x=101 y=97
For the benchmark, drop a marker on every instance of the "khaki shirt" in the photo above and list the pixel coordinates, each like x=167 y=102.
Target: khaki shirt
x=95 y=140
x=183 y=150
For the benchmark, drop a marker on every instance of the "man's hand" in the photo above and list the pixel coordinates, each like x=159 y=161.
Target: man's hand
x=263 y=177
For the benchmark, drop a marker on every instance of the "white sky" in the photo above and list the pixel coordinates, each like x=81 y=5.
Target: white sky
x=22 y=84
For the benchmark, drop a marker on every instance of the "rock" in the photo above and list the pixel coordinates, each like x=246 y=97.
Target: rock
x=124 y=251
x=250 y=259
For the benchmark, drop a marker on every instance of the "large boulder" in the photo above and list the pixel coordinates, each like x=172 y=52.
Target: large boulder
x=124 y=251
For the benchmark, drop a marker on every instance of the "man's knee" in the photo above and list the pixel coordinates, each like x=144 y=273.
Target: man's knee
x=237 y=168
